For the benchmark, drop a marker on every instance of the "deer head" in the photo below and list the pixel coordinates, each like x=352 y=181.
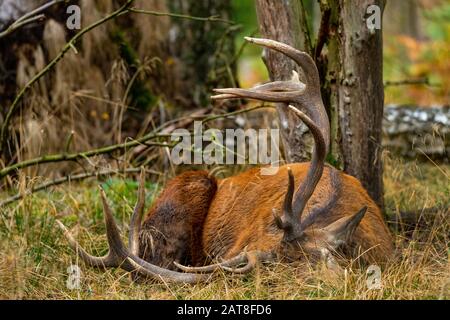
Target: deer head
x=121 y=256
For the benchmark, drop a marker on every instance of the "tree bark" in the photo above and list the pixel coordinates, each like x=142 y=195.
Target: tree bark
x=282 y=21
x=354 y=79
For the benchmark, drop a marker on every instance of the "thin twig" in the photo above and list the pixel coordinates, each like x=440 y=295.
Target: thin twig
x=182 y=16
x=18 y=25
x=69 y=178
x=30 y=17
x=83 y=155
x=111 y=148
x=230 y=114
x=409 y=82
x=12 y=109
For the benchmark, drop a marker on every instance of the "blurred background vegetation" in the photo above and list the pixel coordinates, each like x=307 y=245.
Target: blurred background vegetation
x=416 y=40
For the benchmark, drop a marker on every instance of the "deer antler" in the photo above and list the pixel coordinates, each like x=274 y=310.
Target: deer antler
x=303 y=96
x=121 y=256
x=290 y=221
x=298 y=96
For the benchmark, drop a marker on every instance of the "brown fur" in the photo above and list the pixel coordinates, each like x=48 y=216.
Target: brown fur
x=202 y=219
x=173 y=227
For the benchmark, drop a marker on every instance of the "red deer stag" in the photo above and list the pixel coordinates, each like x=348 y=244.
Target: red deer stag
x=251 y=217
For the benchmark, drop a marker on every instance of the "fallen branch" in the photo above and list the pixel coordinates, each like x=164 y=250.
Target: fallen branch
x=69 y=178
x=122 y=146
x=83 y=155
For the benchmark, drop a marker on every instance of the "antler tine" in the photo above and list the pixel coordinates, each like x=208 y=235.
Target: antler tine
x=150 y=270
x=234 y=261
x=120 y=256
x=287 y=205
x=110 y=260
x=301 y=58
x=253 y=257
x=315 y=170
x=271 y=96
x=287 y=220
x=290 y=222
x=250 y=259
x=136 y=218
x=117 y=252
x=290 y=92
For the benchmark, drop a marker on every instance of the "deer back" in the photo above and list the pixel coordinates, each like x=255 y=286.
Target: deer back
x=241 y=214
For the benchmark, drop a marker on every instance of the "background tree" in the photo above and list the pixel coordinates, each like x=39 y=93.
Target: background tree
x=354 y=81
x=283 y=21
x=351 y=75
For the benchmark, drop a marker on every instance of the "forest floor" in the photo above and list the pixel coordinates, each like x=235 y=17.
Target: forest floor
x=35 y=259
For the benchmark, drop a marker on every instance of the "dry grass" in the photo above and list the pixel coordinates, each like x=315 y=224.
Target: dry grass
x=34 y=257
x=87 y=92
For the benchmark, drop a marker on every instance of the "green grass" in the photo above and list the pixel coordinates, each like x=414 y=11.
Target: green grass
x=34 y=257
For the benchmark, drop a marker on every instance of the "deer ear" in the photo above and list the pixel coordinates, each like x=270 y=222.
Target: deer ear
x=341 y=231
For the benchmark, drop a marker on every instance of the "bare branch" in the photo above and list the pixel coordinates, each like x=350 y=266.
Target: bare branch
x=182 y=16
x=83 y=155
x=30 y=17
x=12 y=109
x=70 y=178
x=409 y=82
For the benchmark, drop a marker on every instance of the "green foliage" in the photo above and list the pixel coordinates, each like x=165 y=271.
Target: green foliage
x=409 y=58
x=332 y=160
x=127 y=52
x=140 y=95
x=437 y=22
x=244 y=13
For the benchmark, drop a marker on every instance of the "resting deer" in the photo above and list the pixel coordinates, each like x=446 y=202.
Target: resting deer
x=251 y=218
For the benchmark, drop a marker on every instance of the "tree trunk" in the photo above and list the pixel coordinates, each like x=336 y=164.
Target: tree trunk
x=204 y=50
x=354 y=79
x=282 y=21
